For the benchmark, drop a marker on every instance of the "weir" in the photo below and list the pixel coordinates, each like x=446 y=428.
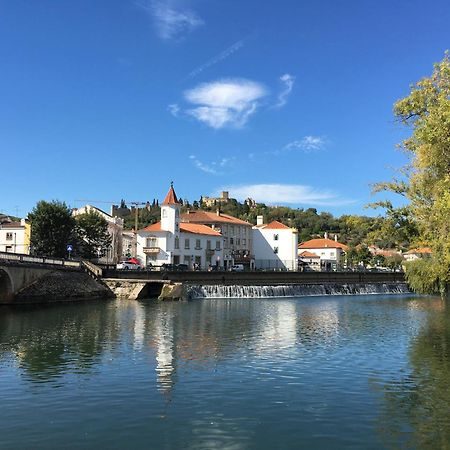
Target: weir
x=294 y=290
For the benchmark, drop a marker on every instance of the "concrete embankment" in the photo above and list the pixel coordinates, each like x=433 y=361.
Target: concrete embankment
x=60 y=286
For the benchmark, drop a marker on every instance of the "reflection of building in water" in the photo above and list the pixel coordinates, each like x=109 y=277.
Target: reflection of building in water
x=165 y=350
x=280 y=328
x=139 y=325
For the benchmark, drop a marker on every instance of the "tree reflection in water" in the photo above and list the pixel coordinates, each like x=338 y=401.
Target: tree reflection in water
x=47 y=342
x=416 y=411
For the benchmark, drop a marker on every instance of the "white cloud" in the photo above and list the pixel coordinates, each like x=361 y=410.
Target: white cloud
x=288 y=84
x=174 y=109
x=214 y=167
x=170 y=22
x=278 y=194
x=216 y=59
x=225 y=103
x=307 y=144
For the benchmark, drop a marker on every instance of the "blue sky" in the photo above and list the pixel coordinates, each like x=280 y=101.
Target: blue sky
x=289 y=102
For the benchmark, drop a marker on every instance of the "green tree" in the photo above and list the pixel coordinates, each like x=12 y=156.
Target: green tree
x=426 y=111
x=52 y=228
x=92 y=231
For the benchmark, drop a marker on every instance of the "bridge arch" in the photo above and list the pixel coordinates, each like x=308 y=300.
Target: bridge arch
x=6 y=286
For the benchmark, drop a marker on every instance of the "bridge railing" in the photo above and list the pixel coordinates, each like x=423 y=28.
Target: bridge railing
x=6 y=256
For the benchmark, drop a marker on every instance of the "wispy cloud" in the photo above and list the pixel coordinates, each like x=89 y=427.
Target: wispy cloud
x=225 y=103
x=216 y=59
x=307 y=144
x=170 y=22
x=278 y=194
x=174 y=109
x=287 y=81
x=214 y=167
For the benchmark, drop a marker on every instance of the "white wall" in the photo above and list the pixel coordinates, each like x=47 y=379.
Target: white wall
x=166 y=242
x=13 y=240
x=265 y=243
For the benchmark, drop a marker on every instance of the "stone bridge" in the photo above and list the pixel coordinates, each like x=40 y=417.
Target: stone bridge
x=20 y=271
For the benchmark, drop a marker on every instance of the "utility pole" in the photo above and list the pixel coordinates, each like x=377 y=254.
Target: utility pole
x=136 y=212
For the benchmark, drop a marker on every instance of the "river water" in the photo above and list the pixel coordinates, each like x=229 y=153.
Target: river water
x=342 y=372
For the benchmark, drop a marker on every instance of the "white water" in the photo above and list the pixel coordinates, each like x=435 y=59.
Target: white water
x=295 y=290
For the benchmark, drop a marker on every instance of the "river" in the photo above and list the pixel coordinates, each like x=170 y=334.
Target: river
x=341 y=372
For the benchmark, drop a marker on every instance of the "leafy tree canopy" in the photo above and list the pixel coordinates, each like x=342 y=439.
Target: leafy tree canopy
x=52 y=228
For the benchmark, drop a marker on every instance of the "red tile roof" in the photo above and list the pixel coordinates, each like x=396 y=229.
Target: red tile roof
x=275 y=225
x=153 y=227
x=211 y=217
x=422 y=250
x=322 y=243
x=194 y=228
x=198 y=229
x=306 y=254
x=171 y=197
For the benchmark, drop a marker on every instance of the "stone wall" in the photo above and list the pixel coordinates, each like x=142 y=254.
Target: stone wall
x=60 y=286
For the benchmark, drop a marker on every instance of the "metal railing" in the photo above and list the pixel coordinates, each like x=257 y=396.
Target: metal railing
x=19 y=257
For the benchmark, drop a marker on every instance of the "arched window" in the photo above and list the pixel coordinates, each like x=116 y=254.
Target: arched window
x=164 y=213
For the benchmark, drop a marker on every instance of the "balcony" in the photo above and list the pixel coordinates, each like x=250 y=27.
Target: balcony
x=151 y=250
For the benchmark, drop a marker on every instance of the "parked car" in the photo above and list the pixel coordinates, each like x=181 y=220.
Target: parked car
x=128 y=265
x=237 y=268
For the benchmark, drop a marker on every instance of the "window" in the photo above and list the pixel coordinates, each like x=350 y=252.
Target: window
x=177 y=227
x=187 y=259
x=9 y=236
x=164 y=213
x=197 y=244
x=238 y=241
x=186 y=244
x=208 y=245
x=331 y=253
x=152 y=242
x=177 y=242
x=225 y=242
x=275 y=250
x=244 y=242
x=217 y=245
x=231 y=241
x=275 y=237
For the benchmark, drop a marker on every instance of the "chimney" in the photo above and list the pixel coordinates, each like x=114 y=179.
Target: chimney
x=259 y=220
x=325 y=235
x=335 y=238
x=218 y=211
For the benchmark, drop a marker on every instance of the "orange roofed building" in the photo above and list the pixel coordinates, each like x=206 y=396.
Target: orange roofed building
x=237 y=234
x=330 y=252
x=171 y=241
x=274 y=245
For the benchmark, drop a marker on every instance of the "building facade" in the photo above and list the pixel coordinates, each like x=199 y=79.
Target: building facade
x=15 y=237
x=115 y=229
x=237 y=234
x=331 y=252
x=174 y=242
x=275 y=246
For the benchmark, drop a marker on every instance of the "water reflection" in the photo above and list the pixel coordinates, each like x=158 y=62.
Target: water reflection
x=363 y=372
x=419 y=401
x=47 y=342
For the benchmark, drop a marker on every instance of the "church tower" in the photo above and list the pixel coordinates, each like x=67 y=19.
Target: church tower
x=170 y=212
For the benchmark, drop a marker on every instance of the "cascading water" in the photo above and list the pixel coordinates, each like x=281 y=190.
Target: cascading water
x=294 y=290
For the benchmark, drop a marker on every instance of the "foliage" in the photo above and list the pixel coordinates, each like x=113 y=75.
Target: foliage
x=426 y=110
x=93 y=236
x=52 y=228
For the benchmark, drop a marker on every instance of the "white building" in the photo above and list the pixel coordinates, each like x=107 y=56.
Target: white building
x=417 y=253
x=15 y=237
x=174 y=242
x=330 y=252
x=309 y=260
x=274 y=246
x=115 y=229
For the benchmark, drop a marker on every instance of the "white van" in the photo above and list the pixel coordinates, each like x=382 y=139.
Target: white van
x=237 y=268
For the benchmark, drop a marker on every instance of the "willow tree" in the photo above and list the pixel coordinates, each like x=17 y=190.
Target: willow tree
x=426 y=111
